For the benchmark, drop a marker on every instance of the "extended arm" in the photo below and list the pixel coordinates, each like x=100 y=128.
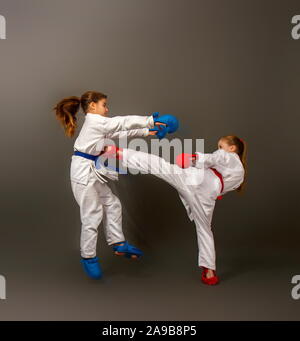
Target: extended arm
x=122 y=123
x=128 y=133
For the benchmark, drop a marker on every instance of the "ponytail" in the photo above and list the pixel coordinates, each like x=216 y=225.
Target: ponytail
x=243 y=155
x=65 y=111
x=67 y=108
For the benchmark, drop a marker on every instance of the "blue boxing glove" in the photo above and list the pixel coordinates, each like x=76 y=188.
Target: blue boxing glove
x=161 y=131
x=171 y=121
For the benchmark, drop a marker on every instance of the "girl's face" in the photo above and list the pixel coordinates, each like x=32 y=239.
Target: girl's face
x=222 y=144
x=99 y=108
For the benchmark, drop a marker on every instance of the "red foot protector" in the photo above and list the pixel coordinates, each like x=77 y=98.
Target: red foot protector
x=112 y=151
x=210 y=281
x=184 y=160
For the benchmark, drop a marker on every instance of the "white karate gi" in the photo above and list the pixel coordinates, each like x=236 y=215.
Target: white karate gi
x=198 y=188
x=91 y=192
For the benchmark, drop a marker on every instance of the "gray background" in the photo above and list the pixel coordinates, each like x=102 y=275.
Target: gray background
x=221 y=67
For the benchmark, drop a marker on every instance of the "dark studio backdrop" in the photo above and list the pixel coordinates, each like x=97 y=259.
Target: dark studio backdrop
x=222 y=67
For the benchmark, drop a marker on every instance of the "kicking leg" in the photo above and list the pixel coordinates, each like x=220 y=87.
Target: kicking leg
x=154 y=165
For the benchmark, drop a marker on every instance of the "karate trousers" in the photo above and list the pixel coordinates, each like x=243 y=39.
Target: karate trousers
x=97 y=203
x=198 y=190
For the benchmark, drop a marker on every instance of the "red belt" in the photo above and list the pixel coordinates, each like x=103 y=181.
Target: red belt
x=219 y=175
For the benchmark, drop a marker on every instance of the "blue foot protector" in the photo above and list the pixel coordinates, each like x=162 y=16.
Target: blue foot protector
x=92 y=267
x=128 y=249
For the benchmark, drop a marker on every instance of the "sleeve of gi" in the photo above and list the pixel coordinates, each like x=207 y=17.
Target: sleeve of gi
x=207 y=160
x=119 y=123
x=128 y=133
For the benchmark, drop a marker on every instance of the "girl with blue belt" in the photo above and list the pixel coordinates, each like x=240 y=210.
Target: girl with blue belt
x=89 y=185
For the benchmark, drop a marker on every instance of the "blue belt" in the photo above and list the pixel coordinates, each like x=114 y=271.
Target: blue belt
x=94 y=158
x=87 y=156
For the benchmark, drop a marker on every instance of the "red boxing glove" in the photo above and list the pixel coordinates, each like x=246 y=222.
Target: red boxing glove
x=184 y=160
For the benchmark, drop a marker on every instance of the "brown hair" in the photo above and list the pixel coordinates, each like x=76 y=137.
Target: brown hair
x=233 y=140
x=66 y=109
